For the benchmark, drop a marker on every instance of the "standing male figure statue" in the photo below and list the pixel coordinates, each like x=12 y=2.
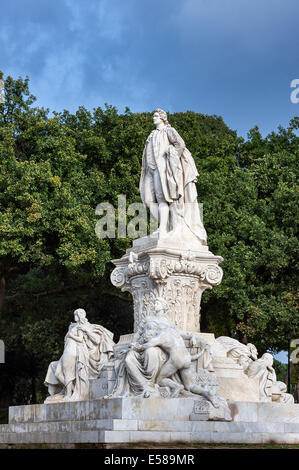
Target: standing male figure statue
x=167 y=183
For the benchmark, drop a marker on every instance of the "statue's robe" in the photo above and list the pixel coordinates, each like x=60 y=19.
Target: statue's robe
x=80 y=361
x=166 y=156
x=270 y=388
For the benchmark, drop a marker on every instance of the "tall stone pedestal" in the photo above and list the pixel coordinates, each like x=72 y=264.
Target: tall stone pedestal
x=174 y=270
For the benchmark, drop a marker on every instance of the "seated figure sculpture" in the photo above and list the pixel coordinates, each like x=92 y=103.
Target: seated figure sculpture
x=87 y=348
x=159 y=359
x=270 y=388
x=261 y=369
x=241 y=353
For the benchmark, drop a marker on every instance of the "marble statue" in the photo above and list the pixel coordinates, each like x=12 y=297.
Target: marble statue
x=87 y=348
x=168 y=182
x=158 y=362
x=174 y=262
x=270 y=389
x=246 y=355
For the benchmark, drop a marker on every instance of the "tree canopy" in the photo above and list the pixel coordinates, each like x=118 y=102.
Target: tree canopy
x=54 y=170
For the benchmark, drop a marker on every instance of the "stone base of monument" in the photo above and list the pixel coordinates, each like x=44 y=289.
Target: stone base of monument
x=132 y=420
x=160 y=420
x=231 y=387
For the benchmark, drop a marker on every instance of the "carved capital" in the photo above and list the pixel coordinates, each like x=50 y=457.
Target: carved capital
x=179 y=277
x=118 y=277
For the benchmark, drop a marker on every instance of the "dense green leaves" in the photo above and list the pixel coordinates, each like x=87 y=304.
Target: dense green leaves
x=55 y=169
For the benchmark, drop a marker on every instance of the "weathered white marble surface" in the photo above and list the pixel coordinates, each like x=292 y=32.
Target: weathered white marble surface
x=168 y=183
x=125 y=420
x=179 y=276
x=87 y=348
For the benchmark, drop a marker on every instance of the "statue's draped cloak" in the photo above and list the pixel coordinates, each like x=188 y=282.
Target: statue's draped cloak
x=165 y=152
x=84 y=360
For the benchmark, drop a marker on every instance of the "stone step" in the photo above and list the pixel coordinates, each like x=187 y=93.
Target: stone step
x=118 y=408
x=149 y=436
x=61 y=426
x=149 y=425
x=202 y=437
x=137 y=408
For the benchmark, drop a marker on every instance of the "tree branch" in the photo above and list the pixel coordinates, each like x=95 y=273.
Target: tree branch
x=119 y=296
x=36 y=295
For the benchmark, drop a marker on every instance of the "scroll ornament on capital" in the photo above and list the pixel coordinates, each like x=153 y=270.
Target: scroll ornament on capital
x=160 y=268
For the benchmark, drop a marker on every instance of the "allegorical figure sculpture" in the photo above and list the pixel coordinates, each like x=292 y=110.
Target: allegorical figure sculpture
x=87 y=348
x=242 y=354
x=246 y=355
x=168 y=182
x=270 y=388
x=160 y=360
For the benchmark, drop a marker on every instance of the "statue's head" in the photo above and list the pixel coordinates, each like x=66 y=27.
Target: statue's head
x=159 y=116
x=80 y=315
x=268 y=359
x=161 y=306
x=154 y=325
x=252 y=350
x=151 y=329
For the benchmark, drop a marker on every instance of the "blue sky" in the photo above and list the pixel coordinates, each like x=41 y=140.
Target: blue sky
x=282 y=356
x=234 y=58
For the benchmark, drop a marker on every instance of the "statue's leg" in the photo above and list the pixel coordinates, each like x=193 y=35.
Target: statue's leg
x=176 y=210
x=173 y=216
x=163 y=205
x=163 y=216
x=190 y=386
x=174 y=386
x=135 y=369
x=69 y=390
x=167 y=370
x=149 y=193
x=154 y=210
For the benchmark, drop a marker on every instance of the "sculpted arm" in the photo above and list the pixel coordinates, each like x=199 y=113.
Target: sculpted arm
x=189 y=336
x=78 y=338
x=96 y=339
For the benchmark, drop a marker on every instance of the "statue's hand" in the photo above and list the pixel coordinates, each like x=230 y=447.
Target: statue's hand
x=83 y=328
x=193 y=341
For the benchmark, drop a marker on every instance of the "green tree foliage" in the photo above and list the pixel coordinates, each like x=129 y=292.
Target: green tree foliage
x=55 y=169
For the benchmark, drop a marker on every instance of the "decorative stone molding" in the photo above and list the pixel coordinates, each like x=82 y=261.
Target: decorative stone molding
x=180 y=277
